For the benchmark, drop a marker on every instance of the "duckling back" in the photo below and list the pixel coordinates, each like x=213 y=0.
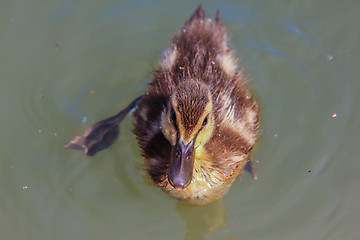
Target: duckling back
x=200 y=52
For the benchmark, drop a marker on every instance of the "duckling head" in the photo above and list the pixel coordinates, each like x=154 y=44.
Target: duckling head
x=187 y=123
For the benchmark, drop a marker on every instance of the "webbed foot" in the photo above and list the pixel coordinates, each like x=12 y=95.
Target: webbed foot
x=101 y=134
x=250 y=167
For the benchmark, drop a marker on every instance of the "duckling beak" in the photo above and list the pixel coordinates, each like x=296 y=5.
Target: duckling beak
x=181 y=164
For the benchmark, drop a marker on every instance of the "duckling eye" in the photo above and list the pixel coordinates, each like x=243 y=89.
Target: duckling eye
x=205 y=121
x=173 y=116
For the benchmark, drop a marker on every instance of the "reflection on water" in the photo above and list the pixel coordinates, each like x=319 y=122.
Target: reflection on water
x=201 y=220
x=69 y=61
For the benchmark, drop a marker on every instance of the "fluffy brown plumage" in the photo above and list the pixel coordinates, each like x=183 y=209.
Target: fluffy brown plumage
x=198 y=77
x=197 y=121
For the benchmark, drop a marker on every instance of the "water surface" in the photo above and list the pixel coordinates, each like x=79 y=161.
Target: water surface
x=67 y=64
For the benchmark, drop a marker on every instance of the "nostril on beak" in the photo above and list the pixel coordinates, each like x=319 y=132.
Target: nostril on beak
x=178 y=153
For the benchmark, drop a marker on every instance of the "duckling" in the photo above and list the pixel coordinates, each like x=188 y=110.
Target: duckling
x=197 y=121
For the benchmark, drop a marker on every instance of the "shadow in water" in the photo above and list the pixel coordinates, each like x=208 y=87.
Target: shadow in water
x=201 y=220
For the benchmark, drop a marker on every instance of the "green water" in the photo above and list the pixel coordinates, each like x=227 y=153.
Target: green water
x=67 y=64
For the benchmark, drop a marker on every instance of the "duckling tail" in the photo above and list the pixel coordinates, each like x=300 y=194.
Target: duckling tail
x=217 y=17
x=198 y=14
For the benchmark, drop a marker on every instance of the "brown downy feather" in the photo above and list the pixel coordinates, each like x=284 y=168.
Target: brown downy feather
x=199 y=53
